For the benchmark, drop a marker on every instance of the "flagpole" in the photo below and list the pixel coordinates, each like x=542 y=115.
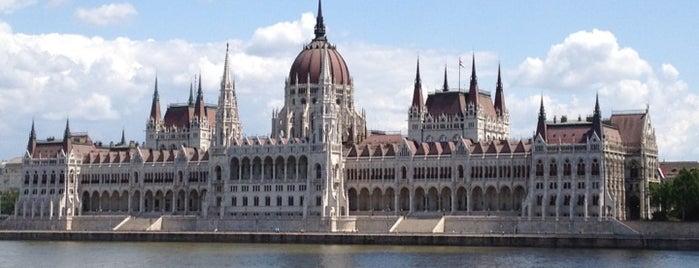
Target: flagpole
x=459 y=74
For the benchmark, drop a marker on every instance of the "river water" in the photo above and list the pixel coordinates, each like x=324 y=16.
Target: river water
x=163 y=254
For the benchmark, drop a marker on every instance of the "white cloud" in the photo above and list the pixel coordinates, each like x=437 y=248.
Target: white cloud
x=107 y=14
x=5 y=28
x=592 y=61
x=282 y=38
x=9 y=6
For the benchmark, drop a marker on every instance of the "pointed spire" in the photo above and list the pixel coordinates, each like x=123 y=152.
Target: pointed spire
x=66 y=133
x=445 y=87
x=32 y=134
x=541 y=124
x=473 y=87
x=155 y=106
x=123 y=138
x=320 y=26
x=500 y=108
x=199 y=107
x=67 y=143
x=31 y=145
x=226 y=82
x=191 y=95
x=417 y=91
x=597 y=117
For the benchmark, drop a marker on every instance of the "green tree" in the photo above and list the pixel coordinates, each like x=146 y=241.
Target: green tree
x=661 y=197
x=685 y=194
x=8 y=200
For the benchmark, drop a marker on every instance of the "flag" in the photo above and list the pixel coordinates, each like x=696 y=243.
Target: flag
x=661 y=173
x=461 y=63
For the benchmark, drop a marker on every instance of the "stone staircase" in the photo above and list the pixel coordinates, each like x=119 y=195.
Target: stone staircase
x=132 y=223
x=419 y=225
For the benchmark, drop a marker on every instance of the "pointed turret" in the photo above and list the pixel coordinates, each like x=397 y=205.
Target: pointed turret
x=541 y=124
x=473 y=87
x=597 y=118
x=191 y=95
x=445 y=87
x=226 y=82
x=31 y=145
x=67 y=143
x=417 y=91
x=500 y=108
x=155 y=106
x=199 y=106
x=319 y=29
x=123 y=138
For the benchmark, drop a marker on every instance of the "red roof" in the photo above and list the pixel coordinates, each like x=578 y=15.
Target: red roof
x=455 y=102
x=309 y=62
x=630 y=127
x=181 y=115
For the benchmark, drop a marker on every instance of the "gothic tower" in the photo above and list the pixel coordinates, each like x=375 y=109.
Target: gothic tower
x=228 y=125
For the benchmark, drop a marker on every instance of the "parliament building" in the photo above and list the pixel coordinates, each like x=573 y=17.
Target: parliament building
x=320 y=166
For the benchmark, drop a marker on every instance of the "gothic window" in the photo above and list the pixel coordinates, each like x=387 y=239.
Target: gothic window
x=539 y=168
x=552 y=200
x=566 y=168
x=403 y=172
x=553 y=168
x=318 y=171
x=461 y=172
x=218 y=173
x=595 y=167
x=581 y=167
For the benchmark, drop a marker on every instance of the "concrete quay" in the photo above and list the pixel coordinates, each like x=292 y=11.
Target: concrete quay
x=481 y=240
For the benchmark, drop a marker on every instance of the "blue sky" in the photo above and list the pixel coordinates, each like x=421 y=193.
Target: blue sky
x=95 y=61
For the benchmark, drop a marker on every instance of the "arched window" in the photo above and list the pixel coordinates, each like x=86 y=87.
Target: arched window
x=218 y=173
x=567 y=169
x=539 y=168
x=403 y=173
x=595 y=167
x=318 y=171
x=553 y=168
x=581 y=167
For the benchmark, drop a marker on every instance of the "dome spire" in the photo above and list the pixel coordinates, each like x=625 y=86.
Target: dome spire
x=320 y=26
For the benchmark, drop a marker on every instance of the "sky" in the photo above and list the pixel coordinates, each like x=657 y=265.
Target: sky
x=95 y=62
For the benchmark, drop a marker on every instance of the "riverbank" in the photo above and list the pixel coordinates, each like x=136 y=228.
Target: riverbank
x=490 y=240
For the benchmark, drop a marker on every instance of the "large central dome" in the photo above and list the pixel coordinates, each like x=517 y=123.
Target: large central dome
x=307 y=65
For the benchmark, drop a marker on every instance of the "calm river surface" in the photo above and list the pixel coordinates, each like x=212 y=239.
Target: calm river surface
x=142 y=254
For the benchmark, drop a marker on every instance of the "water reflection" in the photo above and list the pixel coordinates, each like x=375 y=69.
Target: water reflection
x=139 y=254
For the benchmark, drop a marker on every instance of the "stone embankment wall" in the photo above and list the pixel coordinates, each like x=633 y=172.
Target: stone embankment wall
x=547 y=241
